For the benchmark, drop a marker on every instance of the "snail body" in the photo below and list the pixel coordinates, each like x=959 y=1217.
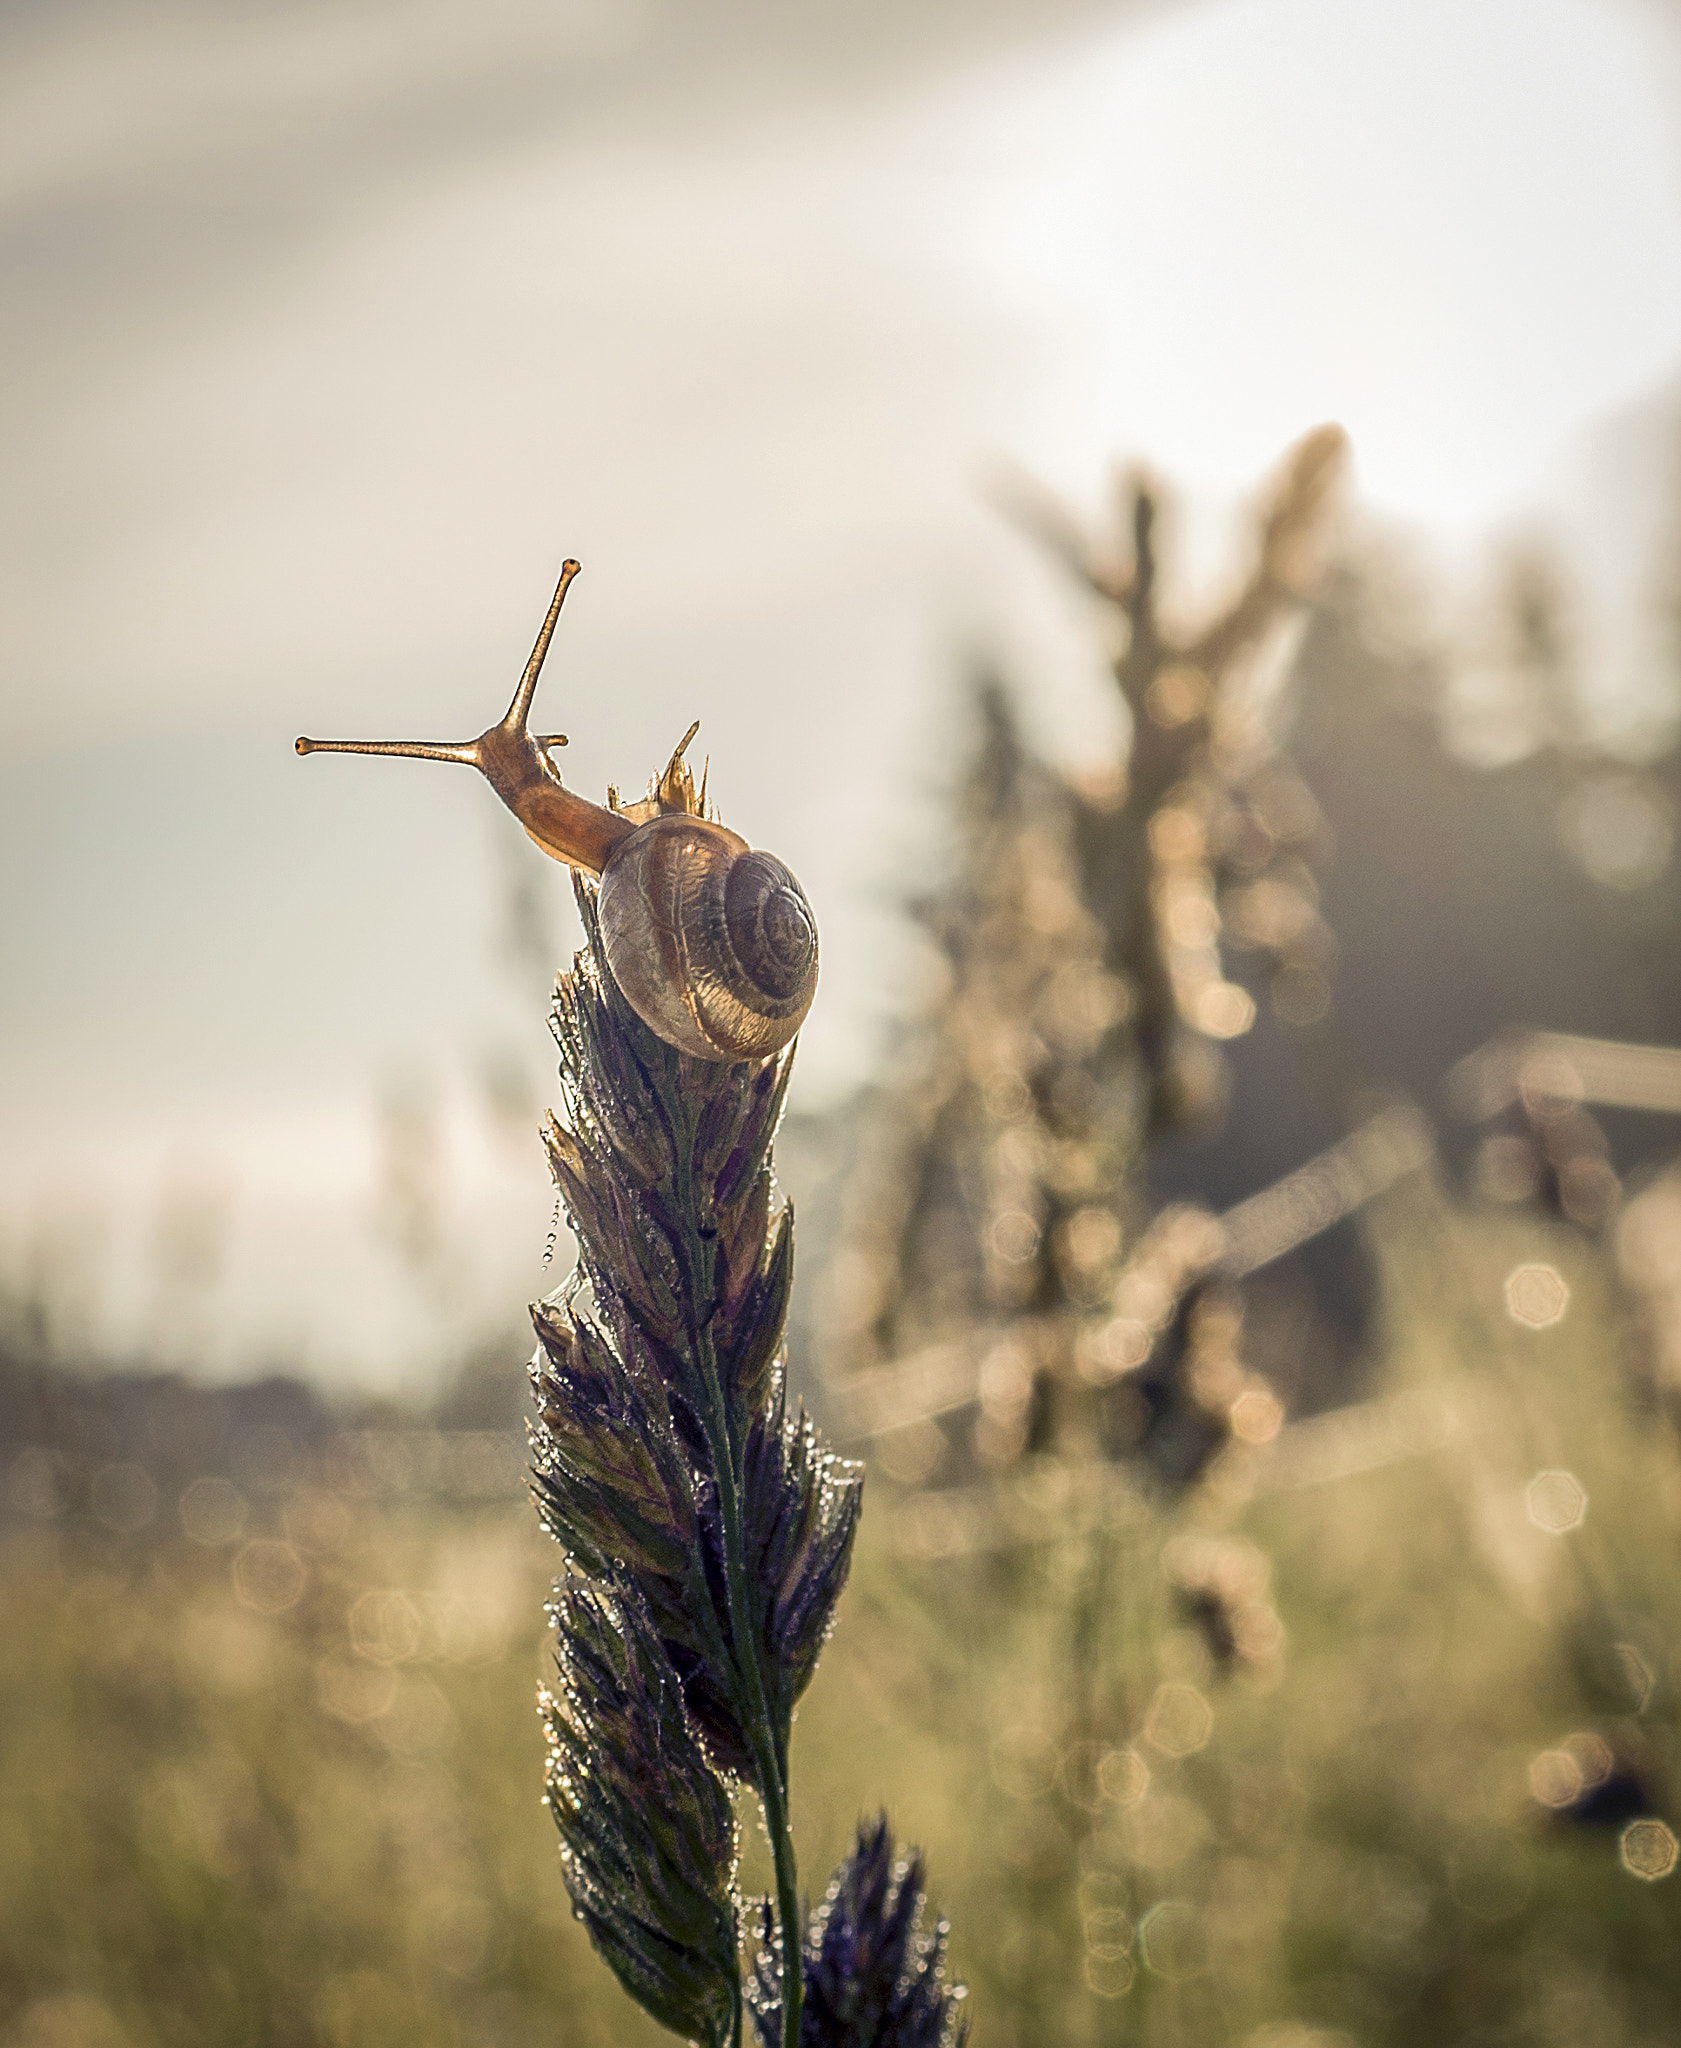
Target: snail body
x=712 y=941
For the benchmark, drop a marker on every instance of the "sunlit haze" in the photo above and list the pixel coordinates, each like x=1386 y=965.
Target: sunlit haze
x=328 y=337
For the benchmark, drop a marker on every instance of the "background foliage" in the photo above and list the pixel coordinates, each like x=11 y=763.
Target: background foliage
x=1339 y=1732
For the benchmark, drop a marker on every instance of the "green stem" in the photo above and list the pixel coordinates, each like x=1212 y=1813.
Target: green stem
x=768 y=1749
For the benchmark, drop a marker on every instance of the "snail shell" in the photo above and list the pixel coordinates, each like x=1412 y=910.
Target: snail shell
x=712 y=941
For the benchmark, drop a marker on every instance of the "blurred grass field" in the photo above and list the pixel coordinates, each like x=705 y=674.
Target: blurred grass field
x=270 y=1767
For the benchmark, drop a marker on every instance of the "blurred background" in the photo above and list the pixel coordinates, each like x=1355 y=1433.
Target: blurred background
x=332 y=328
x=829 y=340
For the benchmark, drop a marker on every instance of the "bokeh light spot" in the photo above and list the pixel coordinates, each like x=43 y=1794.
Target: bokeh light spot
x=1179 y=1721
x=1178 y=694
x=1015 y=1236
x=1619 y=828
x=385 y=1628
x=1171 y=1940
x=1007 y=1095
x=1557 y=1502
x=1110 y=1976
x=1581 y=1763
x=1555 y=1779
x=1648 y=1849
x=1536 y=1296
x=1591 y=1755
x=1081 y=1779
x=1121 y=1346
x=1177 y=836
x=910 y=1454
x=1256 y=1416
x=1103 y=1891
x=268 y=1576
x=1124 y=1776
x=356 y=1692
x=1224 y=1010
x=1637 y=1674
x=1108 y=1926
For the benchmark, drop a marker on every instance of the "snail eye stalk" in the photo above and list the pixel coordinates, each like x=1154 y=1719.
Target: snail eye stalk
x=498 y=744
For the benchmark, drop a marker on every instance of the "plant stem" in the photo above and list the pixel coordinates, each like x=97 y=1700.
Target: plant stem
x=768 y=1748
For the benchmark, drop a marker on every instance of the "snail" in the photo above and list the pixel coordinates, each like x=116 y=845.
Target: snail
x=712 y=942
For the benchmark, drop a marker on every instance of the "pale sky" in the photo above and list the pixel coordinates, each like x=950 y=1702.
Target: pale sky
x=328 y=333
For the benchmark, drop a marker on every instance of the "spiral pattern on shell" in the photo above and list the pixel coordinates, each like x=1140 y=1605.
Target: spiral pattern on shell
x=712 y=942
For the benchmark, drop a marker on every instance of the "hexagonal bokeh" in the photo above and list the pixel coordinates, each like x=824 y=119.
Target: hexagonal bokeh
x=1649 y=1850
x=1557 y=1502
x=1536 y=1296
